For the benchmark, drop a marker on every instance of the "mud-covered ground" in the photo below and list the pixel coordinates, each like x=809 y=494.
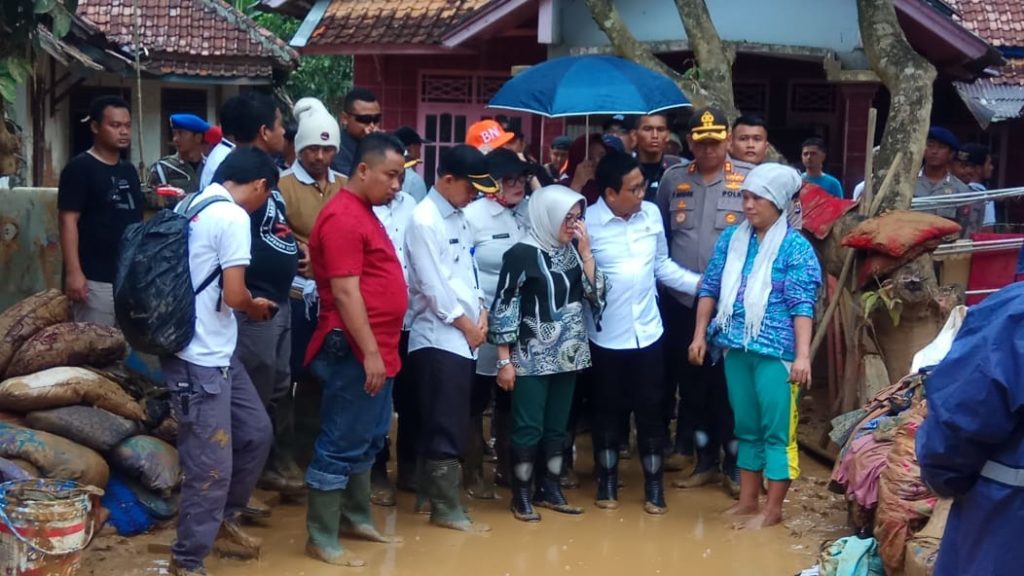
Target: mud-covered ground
x=692 y=539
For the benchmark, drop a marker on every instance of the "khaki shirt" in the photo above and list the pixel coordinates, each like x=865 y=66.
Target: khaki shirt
x=970 y=217
x=696 y=213
x=304 y=198
x=172 y=171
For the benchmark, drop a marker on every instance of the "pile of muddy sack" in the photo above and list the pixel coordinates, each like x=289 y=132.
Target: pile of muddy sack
x=71 y=408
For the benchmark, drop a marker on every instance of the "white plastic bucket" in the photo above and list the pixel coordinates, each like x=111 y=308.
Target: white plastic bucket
x=44 y=526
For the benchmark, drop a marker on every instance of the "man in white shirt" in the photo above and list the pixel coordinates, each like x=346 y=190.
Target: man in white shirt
x=449 y=322
x=396 y=216
x=224 y=432
x=627 y=238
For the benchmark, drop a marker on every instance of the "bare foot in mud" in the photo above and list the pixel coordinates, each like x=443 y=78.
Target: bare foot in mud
x=763 y=519
x=741 y=509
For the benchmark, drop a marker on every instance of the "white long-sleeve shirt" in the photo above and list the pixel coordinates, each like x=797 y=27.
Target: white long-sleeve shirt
x=396 y=216
x=442 y=276
x=632 y=254
x=214 y=160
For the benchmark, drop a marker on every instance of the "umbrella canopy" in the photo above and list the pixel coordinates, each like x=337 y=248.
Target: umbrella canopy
x=592 y=84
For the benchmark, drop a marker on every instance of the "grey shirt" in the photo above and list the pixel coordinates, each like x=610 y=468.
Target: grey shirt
x=696 y=213
x=970 y=217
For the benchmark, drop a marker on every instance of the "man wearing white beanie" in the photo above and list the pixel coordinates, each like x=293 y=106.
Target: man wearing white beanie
x=306 y=187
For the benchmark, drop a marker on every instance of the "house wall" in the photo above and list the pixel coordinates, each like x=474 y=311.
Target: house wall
x=829 y=24
x=59 y=128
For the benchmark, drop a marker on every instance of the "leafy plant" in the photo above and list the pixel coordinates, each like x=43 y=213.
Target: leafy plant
x=885 y=296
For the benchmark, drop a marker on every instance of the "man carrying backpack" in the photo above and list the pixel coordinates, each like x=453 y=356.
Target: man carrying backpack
x=224 y=432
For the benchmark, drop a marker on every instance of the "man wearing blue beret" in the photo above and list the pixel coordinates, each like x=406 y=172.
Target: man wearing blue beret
x=181 y=169
x=936 y=178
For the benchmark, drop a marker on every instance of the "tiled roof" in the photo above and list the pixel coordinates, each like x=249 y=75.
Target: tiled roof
x=194 y=38
x=1000 y=22
x=353 y=22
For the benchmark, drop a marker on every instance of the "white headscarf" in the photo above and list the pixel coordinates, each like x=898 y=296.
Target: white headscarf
x=548 y=208
x=773 y=182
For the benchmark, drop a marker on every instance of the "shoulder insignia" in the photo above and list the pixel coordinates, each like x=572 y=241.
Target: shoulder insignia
x=684 y=187
x=731 y=218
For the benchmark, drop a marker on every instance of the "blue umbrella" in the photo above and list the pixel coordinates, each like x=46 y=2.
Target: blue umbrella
x=592 y=84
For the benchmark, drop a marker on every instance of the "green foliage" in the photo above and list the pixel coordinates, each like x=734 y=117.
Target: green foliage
x=19 y=20
x=886 y=296
x=325 y=77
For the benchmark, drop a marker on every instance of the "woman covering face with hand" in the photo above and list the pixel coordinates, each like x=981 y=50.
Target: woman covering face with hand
x=757 y=304
x=537 y=325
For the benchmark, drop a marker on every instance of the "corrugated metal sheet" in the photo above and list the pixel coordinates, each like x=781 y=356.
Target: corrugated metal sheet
x=990 y=102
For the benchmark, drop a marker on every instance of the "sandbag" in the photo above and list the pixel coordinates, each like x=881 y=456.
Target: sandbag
x=10 y=470
x=88 y=426
x=897 y=233
x=21 y=321
x=904 y=501
x=68 y=344
x=154 y=396
x=55 y=457
x=12 y=418
x=151 y=461
x=58 y=387
x=923 y=548
x=167 y=430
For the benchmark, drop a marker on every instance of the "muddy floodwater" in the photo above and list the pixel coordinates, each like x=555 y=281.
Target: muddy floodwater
x=692 y=539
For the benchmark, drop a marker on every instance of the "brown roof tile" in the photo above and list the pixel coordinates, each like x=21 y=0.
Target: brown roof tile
x=1000 y=22
x=351 y=22
x=196 y=38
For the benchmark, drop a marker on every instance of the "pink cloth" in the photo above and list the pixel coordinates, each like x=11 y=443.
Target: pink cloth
x=860 y=469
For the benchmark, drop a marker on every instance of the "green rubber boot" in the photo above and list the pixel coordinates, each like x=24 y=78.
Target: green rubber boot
x=356 y=517
x=445 y=507
x=322 y=521
x=422 y=488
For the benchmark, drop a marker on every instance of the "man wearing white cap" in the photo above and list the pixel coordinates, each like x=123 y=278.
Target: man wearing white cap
x=306 y=187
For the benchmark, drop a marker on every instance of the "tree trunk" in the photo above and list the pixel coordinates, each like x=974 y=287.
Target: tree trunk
x=10 y=145
x=909 y=77
x=710 y=84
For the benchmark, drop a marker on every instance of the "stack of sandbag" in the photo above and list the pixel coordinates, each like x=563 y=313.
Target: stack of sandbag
x=22 y=321
x=923 y=548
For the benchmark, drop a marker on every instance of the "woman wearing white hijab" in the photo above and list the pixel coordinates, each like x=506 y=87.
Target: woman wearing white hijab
x=537 y=324
x=763 y=278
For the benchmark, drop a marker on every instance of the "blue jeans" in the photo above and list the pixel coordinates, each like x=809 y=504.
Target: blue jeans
x=353 y=424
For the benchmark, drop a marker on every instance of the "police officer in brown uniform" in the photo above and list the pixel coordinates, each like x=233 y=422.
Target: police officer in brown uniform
x=936 y=179
x=698 y=202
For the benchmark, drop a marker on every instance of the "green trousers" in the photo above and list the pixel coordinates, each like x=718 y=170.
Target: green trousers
x=765 y=404
x=540 y=409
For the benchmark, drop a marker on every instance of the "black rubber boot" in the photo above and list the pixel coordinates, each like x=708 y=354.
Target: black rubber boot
x=522 y=482
x=707 y=469
x=549 y=489
x=606 y=460
x=651 y=457
x=730 y=471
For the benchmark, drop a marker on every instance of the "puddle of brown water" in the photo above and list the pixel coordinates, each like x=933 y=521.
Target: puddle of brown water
x=691 y=539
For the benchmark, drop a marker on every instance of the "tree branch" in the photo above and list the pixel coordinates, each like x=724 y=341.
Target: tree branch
x=714 y=58
x=909 y=77
x=608 y=19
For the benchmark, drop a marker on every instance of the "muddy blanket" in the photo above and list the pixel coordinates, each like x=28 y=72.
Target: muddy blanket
x=68 y=344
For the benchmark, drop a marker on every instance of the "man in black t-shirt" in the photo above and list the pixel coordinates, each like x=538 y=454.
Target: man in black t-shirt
x=98 y=197
x=264 y=348
x=651 y=137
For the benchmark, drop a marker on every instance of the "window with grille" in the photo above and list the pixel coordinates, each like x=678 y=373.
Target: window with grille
x=751 y=98
x=812 y=98
x=449 y=89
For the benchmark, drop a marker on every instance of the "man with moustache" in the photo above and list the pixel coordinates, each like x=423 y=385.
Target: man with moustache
x=698 y=202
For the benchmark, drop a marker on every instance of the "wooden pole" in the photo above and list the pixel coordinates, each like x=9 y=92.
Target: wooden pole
x=822 y=328
x=869 y=164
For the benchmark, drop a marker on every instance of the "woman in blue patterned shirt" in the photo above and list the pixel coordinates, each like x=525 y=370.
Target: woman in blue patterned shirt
x=756 y=305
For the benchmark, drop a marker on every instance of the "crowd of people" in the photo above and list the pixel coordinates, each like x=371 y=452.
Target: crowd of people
x=618 y=283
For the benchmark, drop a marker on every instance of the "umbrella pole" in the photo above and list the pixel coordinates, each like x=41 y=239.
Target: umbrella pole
x=586 y=139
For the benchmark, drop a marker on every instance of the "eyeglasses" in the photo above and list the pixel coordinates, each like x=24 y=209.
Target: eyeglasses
x=639 y=190
x=571 y=219
x=367 y=118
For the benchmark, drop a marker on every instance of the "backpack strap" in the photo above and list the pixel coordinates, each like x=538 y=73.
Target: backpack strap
x=191 y=211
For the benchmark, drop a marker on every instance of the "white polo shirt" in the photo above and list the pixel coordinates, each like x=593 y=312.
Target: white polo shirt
x=214 y=160
x=218 y=237
x=632 y=254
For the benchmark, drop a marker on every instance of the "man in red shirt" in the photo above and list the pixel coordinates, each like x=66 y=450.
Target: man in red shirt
x=354 y=351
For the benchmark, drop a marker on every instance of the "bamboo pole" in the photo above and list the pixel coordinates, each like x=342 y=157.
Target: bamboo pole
x=869 y=164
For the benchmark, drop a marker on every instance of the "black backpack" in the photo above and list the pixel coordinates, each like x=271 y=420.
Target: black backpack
x=154 y=301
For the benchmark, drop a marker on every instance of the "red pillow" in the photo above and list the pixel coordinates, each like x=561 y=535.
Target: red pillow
x=896 y=233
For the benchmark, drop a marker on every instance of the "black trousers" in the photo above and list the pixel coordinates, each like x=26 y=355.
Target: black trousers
x=444 y=384
x=483 y=390
x=632 y=379
x=704 y=408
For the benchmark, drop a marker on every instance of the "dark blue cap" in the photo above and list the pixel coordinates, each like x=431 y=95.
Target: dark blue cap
x=613 y=142
x=943 y=135
x=189 y=122
x=561 y=143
